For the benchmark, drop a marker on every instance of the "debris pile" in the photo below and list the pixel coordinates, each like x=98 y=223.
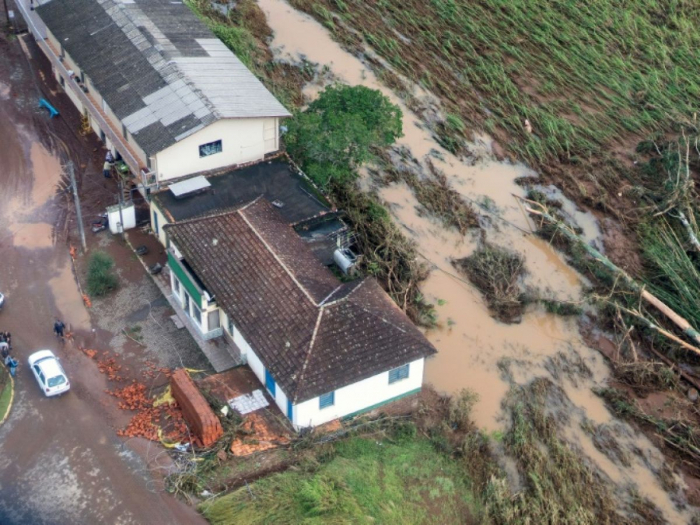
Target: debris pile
x=149 y=418
x=151 y=371
x=195 y=408
x=258 y=435
x=109 y=366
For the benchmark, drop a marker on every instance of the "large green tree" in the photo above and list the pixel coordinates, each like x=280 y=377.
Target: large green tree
x=338 y=131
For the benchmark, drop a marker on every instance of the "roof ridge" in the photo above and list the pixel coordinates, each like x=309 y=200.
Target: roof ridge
x=322 y=303
x=274 y=254
x=332 y=303
x=308 y=353
x=214 y=215
x=375 y=315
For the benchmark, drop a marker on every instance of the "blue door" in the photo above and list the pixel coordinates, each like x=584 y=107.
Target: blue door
x=290 y=410
x=269 y=382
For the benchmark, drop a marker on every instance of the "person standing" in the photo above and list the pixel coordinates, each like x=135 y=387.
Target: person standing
x=59 y=328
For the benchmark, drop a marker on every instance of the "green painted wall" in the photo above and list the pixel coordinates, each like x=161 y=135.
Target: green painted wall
x=180 y=273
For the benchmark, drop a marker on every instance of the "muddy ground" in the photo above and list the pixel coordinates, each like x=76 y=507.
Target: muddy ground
x=476 y=351
x=60 y=459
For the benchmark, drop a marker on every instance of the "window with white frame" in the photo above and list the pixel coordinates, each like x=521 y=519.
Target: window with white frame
x=326 y=400
x=397 y=374
x=176 y=286
x=197 y=314
x=210 y=148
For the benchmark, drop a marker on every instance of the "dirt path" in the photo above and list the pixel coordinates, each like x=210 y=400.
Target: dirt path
x=476 y=351
x=60 y=459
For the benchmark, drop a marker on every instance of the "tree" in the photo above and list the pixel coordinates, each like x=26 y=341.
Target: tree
x=338 y=131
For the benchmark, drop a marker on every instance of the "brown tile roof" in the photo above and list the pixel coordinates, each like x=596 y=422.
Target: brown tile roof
x=311 y=332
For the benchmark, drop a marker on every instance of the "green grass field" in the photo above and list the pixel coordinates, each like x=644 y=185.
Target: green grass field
x=366 y=481
x=5 y=392
x=585 y=74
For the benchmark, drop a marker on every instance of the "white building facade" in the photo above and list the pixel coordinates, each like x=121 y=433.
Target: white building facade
x=177 y=102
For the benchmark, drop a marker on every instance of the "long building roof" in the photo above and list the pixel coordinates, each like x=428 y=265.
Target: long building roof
x=158 y=67
x=313 y=333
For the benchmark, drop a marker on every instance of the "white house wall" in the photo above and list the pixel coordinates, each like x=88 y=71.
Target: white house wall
x=158 y=220
x=358 y=396
x=242 y=141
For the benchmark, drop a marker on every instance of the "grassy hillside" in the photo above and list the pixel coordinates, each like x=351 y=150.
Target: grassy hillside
x=584 y=75
x=366 y=481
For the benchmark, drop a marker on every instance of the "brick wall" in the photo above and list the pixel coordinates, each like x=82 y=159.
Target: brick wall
x=196 y=410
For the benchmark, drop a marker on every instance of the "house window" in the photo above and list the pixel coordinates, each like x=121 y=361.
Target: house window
x=197 y=314
x=230 y=327
x=397 y=374
x=326 y=400
x=124 y=132
x=210 y=148
x=176 y=286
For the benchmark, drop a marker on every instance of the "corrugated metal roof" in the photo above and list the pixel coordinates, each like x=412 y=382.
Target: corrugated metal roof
x=195 y=184
x=158 y=67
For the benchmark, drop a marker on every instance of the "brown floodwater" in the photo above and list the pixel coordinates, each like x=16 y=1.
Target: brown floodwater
x=32 y=235
x=471 y=344
x=69 y=302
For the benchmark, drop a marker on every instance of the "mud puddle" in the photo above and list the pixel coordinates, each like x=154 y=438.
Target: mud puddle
x=474 y=348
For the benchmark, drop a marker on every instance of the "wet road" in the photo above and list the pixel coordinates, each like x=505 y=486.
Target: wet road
x=61 y=461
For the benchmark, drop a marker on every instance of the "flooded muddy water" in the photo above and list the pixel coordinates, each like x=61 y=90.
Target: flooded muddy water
x=69 y=302
x=32 y=235
x=474 y=348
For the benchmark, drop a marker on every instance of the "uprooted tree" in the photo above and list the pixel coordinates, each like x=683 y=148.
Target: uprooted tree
x=337 y=132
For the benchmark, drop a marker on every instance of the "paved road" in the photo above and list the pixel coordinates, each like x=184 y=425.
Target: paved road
x=60 y=459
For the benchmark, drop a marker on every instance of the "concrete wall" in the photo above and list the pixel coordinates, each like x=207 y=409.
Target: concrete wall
x=157 y=218
x=358 y=396
x=259 y=370
x=242 y=140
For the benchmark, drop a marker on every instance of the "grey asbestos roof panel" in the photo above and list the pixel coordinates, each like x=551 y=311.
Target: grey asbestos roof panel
x=158 y=67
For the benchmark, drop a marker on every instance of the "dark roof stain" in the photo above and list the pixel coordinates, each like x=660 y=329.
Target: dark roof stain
x=275 y=180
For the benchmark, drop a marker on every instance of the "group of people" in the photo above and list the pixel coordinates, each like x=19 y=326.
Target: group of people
x=5 y=349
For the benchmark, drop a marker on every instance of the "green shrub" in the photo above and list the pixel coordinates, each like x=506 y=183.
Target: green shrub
x=101 y=278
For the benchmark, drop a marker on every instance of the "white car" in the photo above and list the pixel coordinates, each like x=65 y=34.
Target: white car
x=2 y=300
x=49 y=373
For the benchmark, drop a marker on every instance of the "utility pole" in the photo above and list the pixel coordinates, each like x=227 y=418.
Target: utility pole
x=71 y=172
x=121 y=203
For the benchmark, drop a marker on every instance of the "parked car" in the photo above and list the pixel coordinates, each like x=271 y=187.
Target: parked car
x=2 y=300
x=49 y=373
